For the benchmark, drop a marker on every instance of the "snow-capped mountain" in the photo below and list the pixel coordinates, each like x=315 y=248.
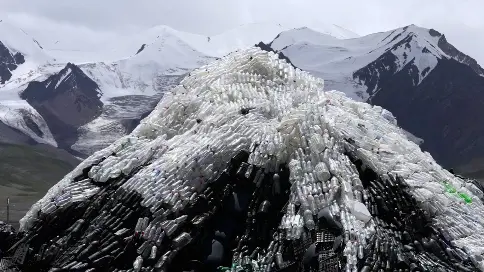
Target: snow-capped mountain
x=249 y=164
x=131 y=88
x=83 y=99
x=66 y=100
x=434 y=90
x=87 y=106
x=414 y=72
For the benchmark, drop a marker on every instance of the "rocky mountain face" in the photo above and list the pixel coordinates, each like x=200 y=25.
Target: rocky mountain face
x=439 y=105
x=66 y=100
x=450 y=50
x=443 y=109
x=435 y=91
x=8 y=62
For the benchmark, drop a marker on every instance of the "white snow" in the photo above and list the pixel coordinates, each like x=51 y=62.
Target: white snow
x=61 y=50
x=12 y=113
x=12 y=108
x=141 y=74
x=66 y=74
x=16 y=40
x=108 y=127
x=217 y=45
x=98 y=134
x=138 y=75
x=294 y=122
x=147 y=74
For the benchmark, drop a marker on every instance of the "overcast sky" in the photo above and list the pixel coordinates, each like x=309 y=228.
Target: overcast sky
x=460 y=20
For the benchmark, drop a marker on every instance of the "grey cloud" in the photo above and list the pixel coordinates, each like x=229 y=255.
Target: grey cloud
x=460 y=21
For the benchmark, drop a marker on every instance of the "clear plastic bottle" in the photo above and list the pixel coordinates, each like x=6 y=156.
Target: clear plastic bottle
x=138 y=263
x=308 y=219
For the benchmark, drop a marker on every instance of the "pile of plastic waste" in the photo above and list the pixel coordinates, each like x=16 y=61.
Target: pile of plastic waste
x=249 y=165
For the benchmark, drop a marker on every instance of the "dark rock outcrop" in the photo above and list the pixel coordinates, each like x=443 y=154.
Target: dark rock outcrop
x=439 y=105
x=8 y=62
x=143 y=46
x=450 y=50
x=379 y=70
x=443 y=109
x=66 y=101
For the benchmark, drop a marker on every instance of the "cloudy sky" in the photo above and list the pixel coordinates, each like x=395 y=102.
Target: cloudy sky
x=461 y=21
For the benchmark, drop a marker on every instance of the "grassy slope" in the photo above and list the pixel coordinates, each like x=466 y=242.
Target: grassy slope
x=27 y=172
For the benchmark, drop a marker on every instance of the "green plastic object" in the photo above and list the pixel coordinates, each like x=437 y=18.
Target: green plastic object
x=466 y=198
x=450 y=189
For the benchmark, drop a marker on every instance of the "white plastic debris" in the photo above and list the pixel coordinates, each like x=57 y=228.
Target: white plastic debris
x=252 y=97
x=359 y=210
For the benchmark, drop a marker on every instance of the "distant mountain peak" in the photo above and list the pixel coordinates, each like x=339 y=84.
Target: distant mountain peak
x=438 y=41
x=70 y=78
x=433 y=89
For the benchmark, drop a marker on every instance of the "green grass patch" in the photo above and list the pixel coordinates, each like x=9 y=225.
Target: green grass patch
x=33 y=169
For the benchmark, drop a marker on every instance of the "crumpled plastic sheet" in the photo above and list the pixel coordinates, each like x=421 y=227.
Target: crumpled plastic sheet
x=198 y=126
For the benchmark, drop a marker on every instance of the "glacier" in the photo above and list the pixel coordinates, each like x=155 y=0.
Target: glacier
x=345 y=162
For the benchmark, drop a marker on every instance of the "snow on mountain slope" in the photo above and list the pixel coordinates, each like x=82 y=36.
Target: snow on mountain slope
x=131 y=88
x=17 y=40
x=21 y=57
x=336 y=60
x=124 y=46
x=338 y=32
x=246 y=36
x=251 y=100
x=238 y=38
x=137 y=75
x=119 y=116
x=18 y=114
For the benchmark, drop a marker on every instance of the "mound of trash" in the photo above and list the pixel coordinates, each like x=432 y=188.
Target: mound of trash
x=248 y=165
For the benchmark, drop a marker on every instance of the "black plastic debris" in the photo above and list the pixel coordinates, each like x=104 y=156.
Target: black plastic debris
x=245 y=111
x=233 y=225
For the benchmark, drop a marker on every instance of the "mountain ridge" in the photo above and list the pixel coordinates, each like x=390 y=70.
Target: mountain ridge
x=405 y=60
x=162 y=56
